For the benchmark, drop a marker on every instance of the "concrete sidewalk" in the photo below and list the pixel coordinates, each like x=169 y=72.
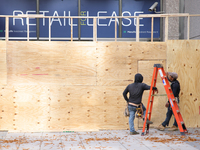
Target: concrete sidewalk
x=101 y=140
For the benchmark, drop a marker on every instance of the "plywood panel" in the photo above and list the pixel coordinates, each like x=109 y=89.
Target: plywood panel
x=3 y=64
x=6 y=107
x=91 y=102
x=56 y=62
x=31 y=106
x=183 y=58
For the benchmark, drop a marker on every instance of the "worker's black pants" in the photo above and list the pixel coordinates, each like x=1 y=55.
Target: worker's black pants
x=168 y=117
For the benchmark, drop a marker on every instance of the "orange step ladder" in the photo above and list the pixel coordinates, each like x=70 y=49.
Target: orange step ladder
x=171 y=98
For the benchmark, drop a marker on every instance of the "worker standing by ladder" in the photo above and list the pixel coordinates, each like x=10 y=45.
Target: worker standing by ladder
x=175 y=86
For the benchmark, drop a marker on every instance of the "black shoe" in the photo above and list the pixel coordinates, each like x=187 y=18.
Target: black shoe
x=149 y=122
x=134 y=133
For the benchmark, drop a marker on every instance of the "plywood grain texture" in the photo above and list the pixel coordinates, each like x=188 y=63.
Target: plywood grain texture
x=3 y=63
x=55 y=86
x=183 y=58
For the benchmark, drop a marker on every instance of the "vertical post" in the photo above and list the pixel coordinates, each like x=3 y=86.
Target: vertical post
x=166 y=27
x=38 y=20
x=115 y=28
x=138 y=29
x=49 y=28
x=94 y=29
x=188 y=29
x=79 y=20
x=120 y=19
x=7 y=29
x=71 y=29
x=152 y=24
x=27 y=28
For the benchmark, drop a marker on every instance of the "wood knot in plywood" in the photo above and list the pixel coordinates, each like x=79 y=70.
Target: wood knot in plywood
x=15 y=91
x=58 y=100
x=106 y=69
x=190 y=94
x=2 y=110
x=69 y=112
x=38 y=100
x=195 y=99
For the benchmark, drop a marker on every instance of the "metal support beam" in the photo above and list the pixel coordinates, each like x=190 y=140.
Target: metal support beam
x=120 y=19
x=38 y=20
x=181 y=19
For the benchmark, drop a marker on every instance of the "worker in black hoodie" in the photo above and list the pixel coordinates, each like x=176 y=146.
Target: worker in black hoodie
x=135 y=91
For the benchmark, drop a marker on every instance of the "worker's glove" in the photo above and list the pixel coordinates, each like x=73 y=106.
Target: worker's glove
x=167 y=104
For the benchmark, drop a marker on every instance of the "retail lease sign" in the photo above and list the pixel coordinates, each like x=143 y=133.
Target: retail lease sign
x=61 y=27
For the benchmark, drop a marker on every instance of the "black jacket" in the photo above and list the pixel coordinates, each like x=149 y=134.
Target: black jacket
x=136 y=90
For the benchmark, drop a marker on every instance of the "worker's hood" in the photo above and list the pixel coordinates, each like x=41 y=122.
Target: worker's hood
x=138 y=78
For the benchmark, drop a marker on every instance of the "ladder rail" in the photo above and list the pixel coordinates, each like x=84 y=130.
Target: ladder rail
x=150 y=98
